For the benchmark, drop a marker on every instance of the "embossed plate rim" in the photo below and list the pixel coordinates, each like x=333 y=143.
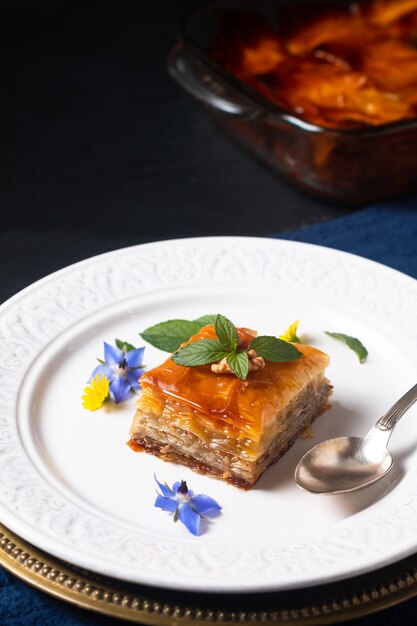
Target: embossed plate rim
x=82 y=589
x=249 y=249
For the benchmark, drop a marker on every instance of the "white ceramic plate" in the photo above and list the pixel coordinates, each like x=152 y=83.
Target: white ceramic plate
x=69 y=483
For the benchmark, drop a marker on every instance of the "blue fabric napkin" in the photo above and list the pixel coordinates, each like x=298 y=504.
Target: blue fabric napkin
x=386 y=233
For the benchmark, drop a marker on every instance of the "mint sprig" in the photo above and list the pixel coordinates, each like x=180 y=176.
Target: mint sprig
x=226 y=333
x=200 y=353
x=205 y=351
x=274 y=349
x=239 y=363
x=352 y=342
x=168 y=336
x=206 y=319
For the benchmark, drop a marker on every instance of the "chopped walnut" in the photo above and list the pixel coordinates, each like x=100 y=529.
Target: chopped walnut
x=221 y=368
x=255 y=363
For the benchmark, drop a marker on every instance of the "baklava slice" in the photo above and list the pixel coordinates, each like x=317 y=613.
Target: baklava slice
x=225 y=427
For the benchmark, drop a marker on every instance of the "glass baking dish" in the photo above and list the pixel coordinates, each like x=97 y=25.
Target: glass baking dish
x=354 y=166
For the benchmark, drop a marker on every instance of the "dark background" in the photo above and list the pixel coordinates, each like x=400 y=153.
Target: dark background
x=101 y=149
x=110 y=151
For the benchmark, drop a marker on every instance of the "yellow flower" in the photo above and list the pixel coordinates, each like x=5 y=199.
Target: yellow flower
x=95 y=393
x=290 y=334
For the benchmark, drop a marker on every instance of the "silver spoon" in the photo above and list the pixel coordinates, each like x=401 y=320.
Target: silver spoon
x=348 y=463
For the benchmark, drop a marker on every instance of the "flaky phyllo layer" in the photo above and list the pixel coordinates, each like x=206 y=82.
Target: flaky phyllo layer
x=223 y=426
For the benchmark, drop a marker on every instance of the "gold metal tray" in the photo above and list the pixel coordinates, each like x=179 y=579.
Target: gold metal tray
x=327 y=604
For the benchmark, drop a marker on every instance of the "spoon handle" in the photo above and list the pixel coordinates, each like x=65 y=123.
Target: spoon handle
x=393 y=415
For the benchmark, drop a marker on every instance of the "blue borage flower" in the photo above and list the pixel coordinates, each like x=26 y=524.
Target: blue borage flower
x=185 y=506
x=122 y=369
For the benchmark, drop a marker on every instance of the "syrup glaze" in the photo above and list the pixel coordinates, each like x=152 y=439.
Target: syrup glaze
x=228 y=399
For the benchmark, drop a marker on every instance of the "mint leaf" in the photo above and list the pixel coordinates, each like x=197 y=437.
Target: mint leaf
x=353 y=343
x=226 y=332
x=199 y=353
x=273 y=349
x=239 y=363
x=204 y=320
x=124 y=345
x=168 y=336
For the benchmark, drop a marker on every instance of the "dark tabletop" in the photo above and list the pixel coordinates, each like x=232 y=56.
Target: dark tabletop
x=102 y=150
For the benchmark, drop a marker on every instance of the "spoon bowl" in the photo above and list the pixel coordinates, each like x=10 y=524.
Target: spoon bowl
x=346 y=464
x=342 y=464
